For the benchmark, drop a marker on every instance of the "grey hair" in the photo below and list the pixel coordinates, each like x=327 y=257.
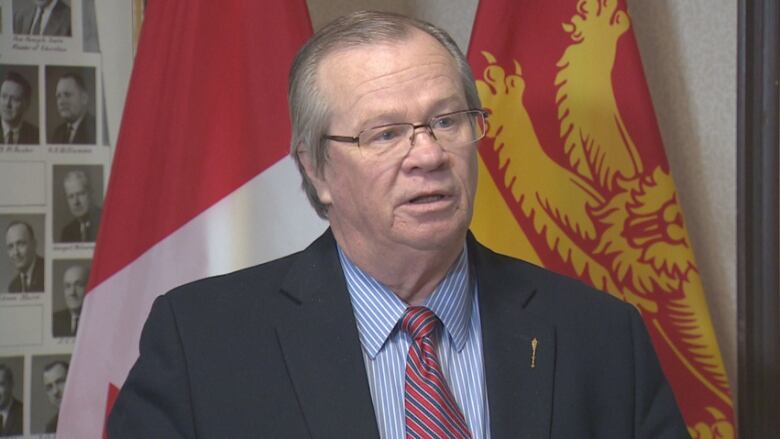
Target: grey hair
x=78 y=175
x=309 y=112
x=54 y=364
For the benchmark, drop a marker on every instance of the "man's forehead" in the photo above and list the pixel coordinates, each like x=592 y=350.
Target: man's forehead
x=74 y=271
x=56 y=371
x=68 y=82
x=373 y=74
x=9 y=85
x=17 y=231
x=74 y=184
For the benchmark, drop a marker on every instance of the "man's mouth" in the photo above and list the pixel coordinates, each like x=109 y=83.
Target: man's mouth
x=427 y=199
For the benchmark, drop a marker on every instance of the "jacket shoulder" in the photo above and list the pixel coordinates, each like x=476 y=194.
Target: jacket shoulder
x=551 y=291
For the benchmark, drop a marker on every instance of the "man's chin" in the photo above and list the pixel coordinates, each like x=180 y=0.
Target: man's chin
x=434 y=237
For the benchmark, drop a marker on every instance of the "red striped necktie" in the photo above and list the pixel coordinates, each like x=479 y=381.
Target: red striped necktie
x=431 y=410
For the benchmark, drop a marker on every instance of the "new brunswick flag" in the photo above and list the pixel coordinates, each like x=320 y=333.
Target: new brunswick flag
x=573 y=176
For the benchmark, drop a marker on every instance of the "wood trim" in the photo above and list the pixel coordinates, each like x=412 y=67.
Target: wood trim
x=758 y=264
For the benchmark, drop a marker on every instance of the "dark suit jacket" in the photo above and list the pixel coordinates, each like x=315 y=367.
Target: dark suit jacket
x=28 y=134
x=58 y=24
x=13 y=425
x=72 y=231
x=36 y=281
x=273 y=351
x=85 y=133
x=60 y=324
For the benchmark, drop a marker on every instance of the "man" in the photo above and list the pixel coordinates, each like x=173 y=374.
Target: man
x=78 y=126
x=65 y=322
x=86 y=216
x=396 y=322
x=54 y=376
x=11 y=410
x=15 y=98
x=43 y=17
x=21 y=245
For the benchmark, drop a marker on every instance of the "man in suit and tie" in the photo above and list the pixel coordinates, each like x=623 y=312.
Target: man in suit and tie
x=15 y=98
x=21 y=245
x=43 y=17
x=86 y=215
x=74 y=283
x=55 y=375
x=11 y=409
x=78 y=125
x=395 y=323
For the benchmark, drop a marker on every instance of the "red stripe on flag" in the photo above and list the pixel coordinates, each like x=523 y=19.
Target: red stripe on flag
x=205 y=113
x=113 y=392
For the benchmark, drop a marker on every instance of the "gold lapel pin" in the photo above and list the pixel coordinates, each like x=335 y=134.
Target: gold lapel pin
x=534 y=345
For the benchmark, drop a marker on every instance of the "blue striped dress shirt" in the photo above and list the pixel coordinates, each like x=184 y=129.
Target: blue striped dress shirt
x=385 y=347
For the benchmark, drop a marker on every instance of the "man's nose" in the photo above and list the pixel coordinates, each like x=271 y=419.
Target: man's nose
x=425 y=151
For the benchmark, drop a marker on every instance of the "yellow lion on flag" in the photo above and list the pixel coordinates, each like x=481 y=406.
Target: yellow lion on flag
x=616 y=223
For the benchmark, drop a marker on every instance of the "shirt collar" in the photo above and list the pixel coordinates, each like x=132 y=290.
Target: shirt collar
x=75 y=124
x=50 y=6
x=377 y=309
x=29 y=272
x=7 y=127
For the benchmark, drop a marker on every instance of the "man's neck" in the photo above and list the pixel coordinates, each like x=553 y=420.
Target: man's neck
x=29 y=269
x=77 y=121
x=411 y=274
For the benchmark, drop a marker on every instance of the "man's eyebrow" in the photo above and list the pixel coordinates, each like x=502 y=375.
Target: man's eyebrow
x=398 y=115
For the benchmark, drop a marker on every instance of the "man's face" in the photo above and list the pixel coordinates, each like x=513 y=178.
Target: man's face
x=21 y=246
x=421 y=198
x=77 y=194
x=71 y=100
x=12 y=102
x=6 y=389
x=54 y=383
x=75 y=283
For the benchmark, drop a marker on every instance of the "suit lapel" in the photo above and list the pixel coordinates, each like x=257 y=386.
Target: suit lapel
x=321 y=347
x=518 y=373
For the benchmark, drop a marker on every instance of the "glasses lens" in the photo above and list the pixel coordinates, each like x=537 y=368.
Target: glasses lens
x=460 y=128
x=385 y=137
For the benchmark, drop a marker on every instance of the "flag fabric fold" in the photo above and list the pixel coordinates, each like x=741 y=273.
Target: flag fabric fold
x=574 y=177
x=201 y=182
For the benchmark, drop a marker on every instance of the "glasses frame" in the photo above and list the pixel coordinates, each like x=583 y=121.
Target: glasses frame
x=356 y=140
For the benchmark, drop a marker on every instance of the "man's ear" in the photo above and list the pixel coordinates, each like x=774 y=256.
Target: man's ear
x=320 y=182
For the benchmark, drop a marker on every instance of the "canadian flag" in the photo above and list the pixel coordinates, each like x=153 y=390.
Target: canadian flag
x=201 y=182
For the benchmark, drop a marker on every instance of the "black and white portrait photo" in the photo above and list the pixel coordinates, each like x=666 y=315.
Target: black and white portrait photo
x=19 y=113
x=78 y=196
x=70 y=105
x=11 y=391
x=48 y=376
x=24 y=269
x=42 y=17
x=69 y=279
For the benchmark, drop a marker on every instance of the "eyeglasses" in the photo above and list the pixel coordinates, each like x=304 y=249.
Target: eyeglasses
x=450 y=130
